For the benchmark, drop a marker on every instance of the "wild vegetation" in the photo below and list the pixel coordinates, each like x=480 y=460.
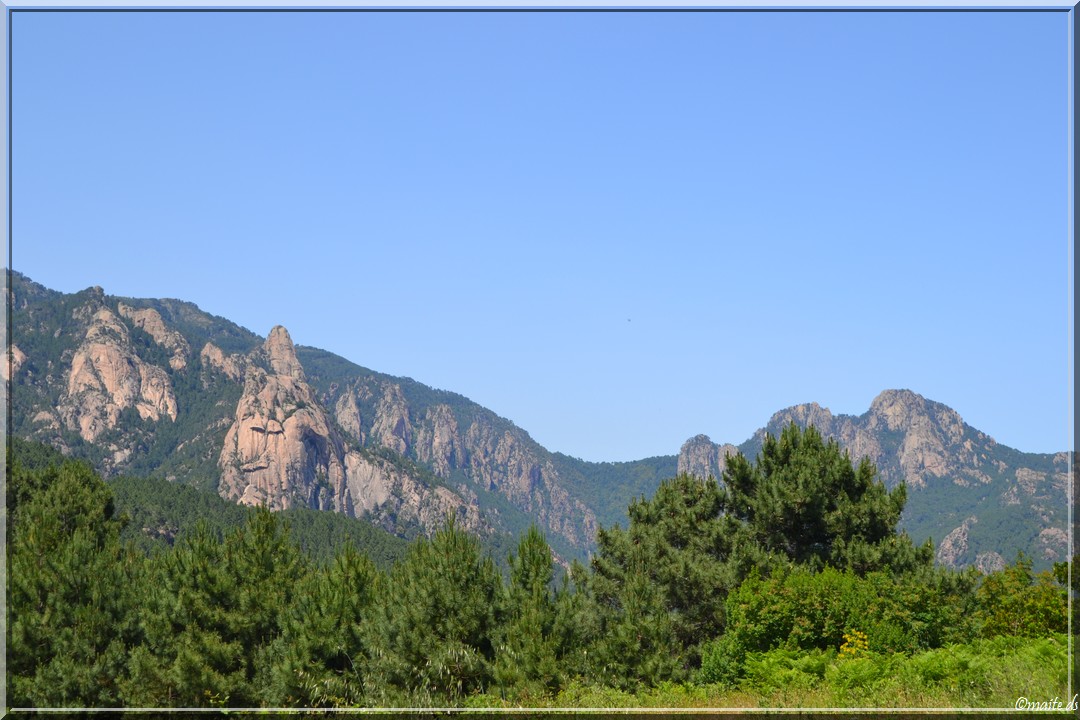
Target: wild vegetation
x=786 y=585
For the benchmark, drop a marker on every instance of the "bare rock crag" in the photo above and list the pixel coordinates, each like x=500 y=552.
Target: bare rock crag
x=702 y=458
x=283 y=450
x=150 y=320
x=107 y=377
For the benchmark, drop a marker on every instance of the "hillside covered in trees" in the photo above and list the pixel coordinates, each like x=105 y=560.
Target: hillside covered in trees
x=158 y=388
x=788 y=584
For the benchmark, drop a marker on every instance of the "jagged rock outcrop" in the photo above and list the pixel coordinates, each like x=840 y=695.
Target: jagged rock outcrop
x=501 y=460
x=438 y=441
x=929 y=447
x=347 y=414
x=1053 y=543
x=482 y=453
x=936 y=441
x=395 y=500
x=281 y=354
x=908 y=438
x=989 y=562
x=954 y=546
x=334 y=435
x=279 y=451
x=150 y=320
x=282 y=451
x=701 y=457
x=391 y=426
x=107 y=377
x=213 y=357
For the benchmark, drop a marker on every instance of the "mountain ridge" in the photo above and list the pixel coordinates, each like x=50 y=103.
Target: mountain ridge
x=955 y=475
x=160 y=387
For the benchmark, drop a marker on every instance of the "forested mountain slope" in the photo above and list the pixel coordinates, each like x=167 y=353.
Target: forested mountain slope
x=158 y=388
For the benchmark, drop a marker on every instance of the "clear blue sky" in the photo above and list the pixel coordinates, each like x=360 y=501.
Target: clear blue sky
x=617 y=230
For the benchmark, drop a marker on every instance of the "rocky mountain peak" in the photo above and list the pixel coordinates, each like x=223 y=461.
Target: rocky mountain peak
x=701 y=457
x=283 y=450
x=282 y=353
x=898 y=409
x=803 y=415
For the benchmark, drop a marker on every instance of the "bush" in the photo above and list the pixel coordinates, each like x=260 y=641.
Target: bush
x=1015 y=601
x=805 y=610
x=722 y=661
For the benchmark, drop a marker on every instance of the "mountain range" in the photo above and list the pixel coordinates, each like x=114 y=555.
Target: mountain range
x=159 y=388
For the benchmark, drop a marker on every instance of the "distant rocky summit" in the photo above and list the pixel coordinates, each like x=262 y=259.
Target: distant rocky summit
x=980 y=501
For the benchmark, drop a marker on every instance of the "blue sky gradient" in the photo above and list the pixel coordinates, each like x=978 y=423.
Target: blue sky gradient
x=616 y=229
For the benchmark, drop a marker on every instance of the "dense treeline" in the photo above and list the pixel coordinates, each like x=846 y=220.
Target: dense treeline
x=155 y=513
x=790 y=573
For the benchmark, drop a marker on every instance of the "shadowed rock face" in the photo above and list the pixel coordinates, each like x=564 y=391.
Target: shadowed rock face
x=438 y=441
x=150 y=320
x=107 y=377
x=391 y=427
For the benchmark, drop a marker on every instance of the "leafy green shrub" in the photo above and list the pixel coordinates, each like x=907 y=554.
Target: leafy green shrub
x=801 y=609
x=722 y=661
x=1015 y=601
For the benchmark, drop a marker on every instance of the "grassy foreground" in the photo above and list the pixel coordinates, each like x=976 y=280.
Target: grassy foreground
x=991 y=673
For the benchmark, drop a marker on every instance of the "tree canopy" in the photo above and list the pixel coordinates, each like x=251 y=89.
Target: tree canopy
x=806 y=501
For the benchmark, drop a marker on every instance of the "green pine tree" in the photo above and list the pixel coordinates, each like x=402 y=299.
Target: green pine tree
x=323 y=656
x=805 y=502
x=215 y=609
x=436 y=625
x=72 y=604
x=683 y=546
x=527 y=662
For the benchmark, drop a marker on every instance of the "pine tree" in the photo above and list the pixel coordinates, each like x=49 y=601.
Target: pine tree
x=323 y=655
x=638 y=643
x=436 y=623
x=72 y=608
x=678 y=553
x=577 y=627
x=527 y=661
x=215 y=610
x=805 y=502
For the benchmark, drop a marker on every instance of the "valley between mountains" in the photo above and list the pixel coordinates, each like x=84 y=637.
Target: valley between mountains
x=159 y=388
